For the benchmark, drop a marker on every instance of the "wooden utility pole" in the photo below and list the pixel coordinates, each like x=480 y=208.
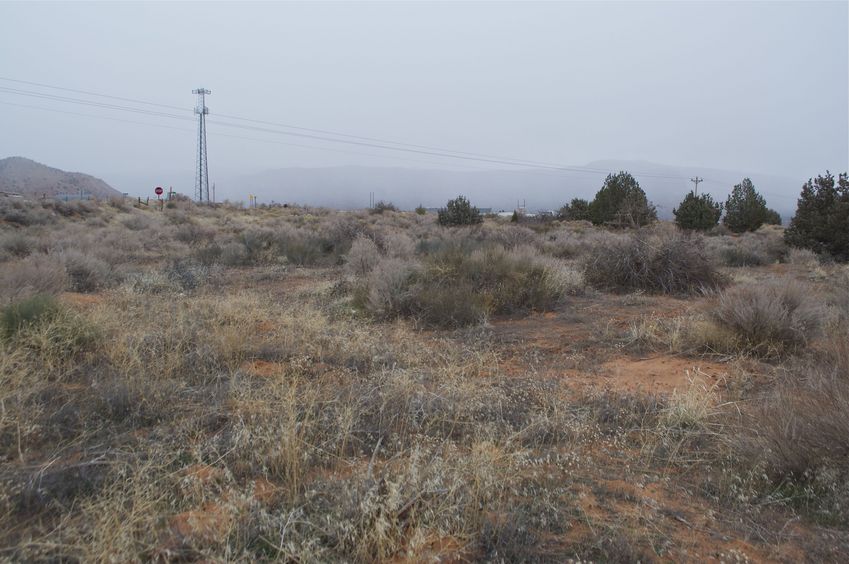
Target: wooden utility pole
x=696 y=181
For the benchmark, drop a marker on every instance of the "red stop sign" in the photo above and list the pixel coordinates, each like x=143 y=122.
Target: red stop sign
x=158 y=190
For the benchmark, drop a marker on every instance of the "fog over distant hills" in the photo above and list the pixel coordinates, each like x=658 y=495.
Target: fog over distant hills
x=27 y=177
x=347 y=187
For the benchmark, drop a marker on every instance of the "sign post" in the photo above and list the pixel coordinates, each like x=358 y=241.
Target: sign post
x=158 y=191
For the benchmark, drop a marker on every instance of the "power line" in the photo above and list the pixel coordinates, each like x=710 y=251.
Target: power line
x=429 y=150
x=364 y=141
x=93 y=103
x=110 y=118
x=300 y=128
x=379 y=143
x=515 y=162
x=241 y=137
x=88 y=92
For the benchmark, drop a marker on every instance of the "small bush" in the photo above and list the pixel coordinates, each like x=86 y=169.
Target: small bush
x=382 y=206
x=25 y=313
x=52 y=333
x=87 y=273
x=454 y=287
x=234 y=254
x=455 y=305
x=305 y=250
x=765 y=246
x=387 y=289
x=187 y=274
x=399 y=244
x=802 y=257
x=17 y=244
x=261 y=246
x=505 y=281
x=209 y=255
x=660 y=263
x=136 y=223
x=74 y=208
x=739 y=255
x=798 y=436
x=36 y=274
x=299 y=246
x=23 y=213
x=152 y=282
x=119 y=204
x=363 y=256
x=769 y=319
x=193 y=234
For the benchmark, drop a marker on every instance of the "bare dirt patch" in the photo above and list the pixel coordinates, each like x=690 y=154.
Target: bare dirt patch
x=660 y=374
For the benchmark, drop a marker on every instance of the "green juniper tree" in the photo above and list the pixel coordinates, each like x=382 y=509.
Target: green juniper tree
x=621 y=203
x=576 y=210
x=459 y=212
x=745 y=209
x=821 y=222
x=697 y=212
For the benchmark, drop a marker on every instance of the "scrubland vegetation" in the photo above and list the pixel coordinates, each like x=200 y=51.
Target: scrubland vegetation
x=215 y=383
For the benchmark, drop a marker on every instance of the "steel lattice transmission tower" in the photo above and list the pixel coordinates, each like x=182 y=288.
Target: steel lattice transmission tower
x=201 y=168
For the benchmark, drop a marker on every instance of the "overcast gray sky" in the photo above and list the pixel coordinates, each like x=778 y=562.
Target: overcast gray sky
x=761 y=87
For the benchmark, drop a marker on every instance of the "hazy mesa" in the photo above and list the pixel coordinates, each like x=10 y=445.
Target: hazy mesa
x=19 y=175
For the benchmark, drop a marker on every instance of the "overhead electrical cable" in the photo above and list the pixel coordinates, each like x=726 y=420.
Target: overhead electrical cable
x=104 y=105
x=322 y=135
x=349 y=138
x=268 y=141
x=297 y=127
x=88 y=92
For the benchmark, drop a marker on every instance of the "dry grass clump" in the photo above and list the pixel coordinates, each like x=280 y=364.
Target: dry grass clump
x=398 y=244
x=16 y=244
x=453 y=287
x=87 y=273
x=804 y=258
x=385 y=292
x=136 y=222
x=363 y=256
x=23 y=212
x=798 y=435
x=764 y=246
x=41 y=342
x=36 y=274
x=72 y=209
x=656 y=262
x=300 y=246
x=193 y=234
x=770 y=319
x=578 y=239
x=18 y=316
x=765 y=320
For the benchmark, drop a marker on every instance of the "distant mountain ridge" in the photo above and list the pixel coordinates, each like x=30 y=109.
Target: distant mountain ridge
x=29 y=178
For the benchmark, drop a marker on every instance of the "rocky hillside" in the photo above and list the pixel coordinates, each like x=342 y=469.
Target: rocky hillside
x=27 y=177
